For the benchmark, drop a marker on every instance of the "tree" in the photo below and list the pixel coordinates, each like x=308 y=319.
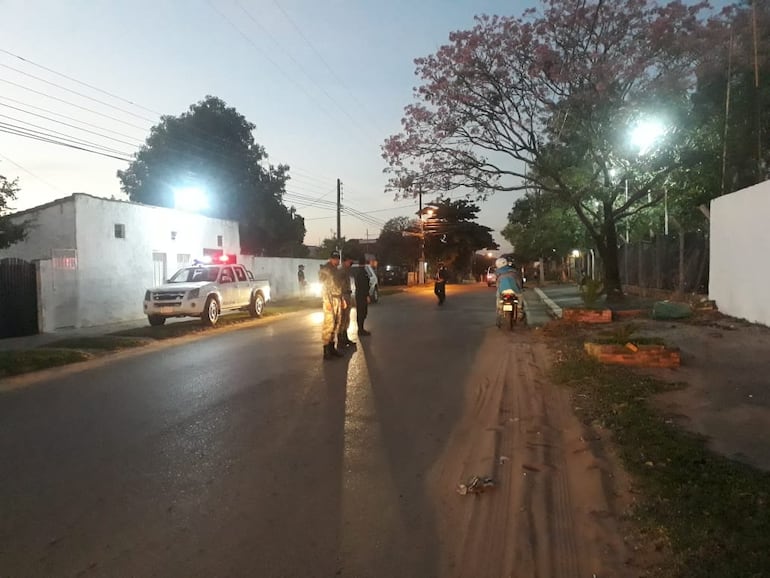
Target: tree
x=539 y=227
x=347 y=247
x=547 y=101
x=10 y=232
x=452 y=235
x=211 y=148
x=396 y=248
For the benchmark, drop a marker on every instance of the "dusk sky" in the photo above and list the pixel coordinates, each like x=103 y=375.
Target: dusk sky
x=324 y=82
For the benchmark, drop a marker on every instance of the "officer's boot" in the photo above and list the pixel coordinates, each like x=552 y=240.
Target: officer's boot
x=335 y=351
x=327 y=352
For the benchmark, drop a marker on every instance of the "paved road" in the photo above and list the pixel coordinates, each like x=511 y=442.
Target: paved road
x=243 y=454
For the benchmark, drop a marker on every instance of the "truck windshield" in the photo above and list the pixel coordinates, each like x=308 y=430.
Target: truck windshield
x=195 y=274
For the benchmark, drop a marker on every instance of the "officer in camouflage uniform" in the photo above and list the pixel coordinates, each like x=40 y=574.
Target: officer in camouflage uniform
x=331 y=293
x=347 y=298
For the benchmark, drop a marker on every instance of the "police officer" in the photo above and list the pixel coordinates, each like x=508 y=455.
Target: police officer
x=361 y=278
x=347 y=298
x=331 y=293
x=439 y=287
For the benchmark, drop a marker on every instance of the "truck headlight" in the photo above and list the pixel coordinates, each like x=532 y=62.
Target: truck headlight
x=147 y=296
x=194 y=293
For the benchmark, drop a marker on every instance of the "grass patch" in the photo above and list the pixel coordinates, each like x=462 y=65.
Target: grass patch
x=25 y=361
x=710 y=512
x=101 y=343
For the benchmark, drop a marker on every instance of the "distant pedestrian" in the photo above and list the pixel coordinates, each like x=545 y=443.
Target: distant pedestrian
x=361 y=280
x=439 y=286
x=347 y=301
x=302 y=281
x=331 y=293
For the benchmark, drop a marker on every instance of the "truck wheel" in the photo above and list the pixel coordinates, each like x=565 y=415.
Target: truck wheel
x=156 y=320
x=257 y=305
x=376 y=295
x=210 y=314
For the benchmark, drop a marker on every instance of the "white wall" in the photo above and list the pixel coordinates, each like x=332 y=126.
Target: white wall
x=740 y=240
x=282 y=273
x=114 y=273
x=46 y=296
x=50 y=226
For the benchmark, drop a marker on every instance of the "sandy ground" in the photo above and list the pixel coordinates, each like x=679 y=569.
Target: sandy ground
x=726 y=366
x=557 y=508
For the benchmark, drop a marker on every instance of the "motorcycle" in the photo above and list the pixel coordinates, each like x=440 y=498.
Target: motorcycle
x=508 y=310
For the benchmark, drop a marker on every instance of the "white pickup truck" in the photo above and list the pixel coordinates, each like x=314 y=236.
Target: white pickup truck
x=206 y=291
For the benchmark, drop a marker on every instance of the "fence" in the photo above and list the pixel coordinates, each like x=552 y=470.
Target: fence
x=18 y=298
x=678 y=262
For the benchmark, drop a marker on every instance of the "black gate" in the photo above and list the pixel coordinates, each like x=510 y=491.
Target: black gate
x=18 y=298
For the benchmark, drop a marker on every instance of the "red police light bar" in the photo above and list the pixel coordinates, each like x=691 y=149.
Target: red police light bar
x=223 y=258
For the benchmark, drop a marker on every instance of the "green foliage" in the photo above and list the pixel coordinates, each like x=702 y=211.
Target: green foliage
x=211 y=147
x=10 y=232
x=591 y=291
x=452 y=234
x=395 y=248
x=540 y=225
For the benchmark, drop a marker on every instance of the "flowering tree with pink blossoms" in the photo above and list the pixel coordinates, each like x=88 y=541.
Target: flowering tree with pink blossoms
x=550 y=102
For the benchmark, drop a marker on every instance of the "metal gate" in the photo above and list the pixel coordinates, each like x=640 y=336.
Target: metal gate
x=18 y=298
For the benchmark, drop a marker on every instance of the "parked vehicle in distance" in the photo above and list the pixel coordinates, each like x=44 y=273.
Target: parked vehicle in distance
x=206 y=291
x=393 y=275
x=374 y=287
x=491 y=276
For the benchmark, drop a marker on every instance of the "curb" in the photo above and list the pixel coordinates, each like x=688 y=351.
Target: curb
x=556 y=311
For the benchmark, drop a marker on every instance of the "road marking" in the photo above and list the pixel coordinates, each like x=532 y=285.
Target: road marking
x=555 y=309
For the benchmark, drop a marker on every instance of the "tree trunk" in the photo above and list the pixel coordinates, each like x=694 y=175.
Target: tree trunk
x=608 y=249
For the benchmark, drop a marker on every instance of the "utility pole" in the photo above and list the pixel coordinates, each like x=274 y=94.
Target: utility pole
x=758 y=107
x=421 y=272
x=339 y=214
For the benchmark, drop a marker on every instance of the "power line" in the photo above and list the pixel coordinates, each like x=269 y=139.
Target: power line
x=71 y=104
x=267 y=57
x=326 y=64
x=75 y=80
x=26 y=170
x=60 y=143
x=69 y=125
x=72 y=118
x=299 y=65
x=64 y=88
x=54 y=133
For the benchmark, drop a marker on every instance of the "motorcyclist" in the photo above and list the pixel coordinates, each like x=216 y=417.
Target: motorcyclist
x=508 y=279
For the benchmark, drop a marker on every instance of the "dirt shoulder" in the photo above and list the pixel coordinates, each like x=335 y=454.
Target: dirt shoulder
x=558 y=506
x=726 y=367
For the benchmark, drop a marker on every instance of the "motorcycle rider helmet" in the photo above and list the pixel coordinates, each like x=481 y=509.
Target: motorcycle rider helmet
x=501 y=262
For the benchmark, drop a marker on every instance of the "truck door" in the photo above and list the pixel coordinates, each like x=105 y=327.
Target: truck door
x=228 y=288
x=244 y=289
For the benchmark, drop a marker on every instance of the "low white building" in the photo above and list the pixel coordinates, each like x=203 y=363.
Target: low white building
x=97 y=256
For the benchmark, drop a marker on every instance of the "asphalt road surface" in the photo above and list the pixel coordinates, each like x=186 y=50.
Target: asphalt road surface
x=245 y=454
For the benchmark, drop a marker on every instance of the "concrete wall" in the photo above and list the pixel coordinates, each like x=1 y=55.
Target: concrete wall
x=46 y=296
x=740 y=237
x=114 y=273
x=49 y=226
x=282 y=273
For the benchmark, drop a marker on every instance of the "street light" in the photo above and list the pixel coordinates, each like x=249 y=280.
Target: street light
x=644 y=135
x=190 y=199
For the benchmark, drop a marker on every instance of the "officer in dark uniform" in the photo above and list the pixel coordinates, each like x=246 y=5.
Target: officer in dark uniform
x=361 y=280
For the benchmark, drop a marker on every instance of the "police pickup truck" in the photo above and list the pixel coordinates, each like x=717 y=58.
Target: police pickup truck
x=206 y=291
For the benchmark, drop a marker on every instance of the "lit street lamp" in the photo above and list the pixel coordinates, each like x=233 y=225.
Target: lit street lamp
x=190 y=199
